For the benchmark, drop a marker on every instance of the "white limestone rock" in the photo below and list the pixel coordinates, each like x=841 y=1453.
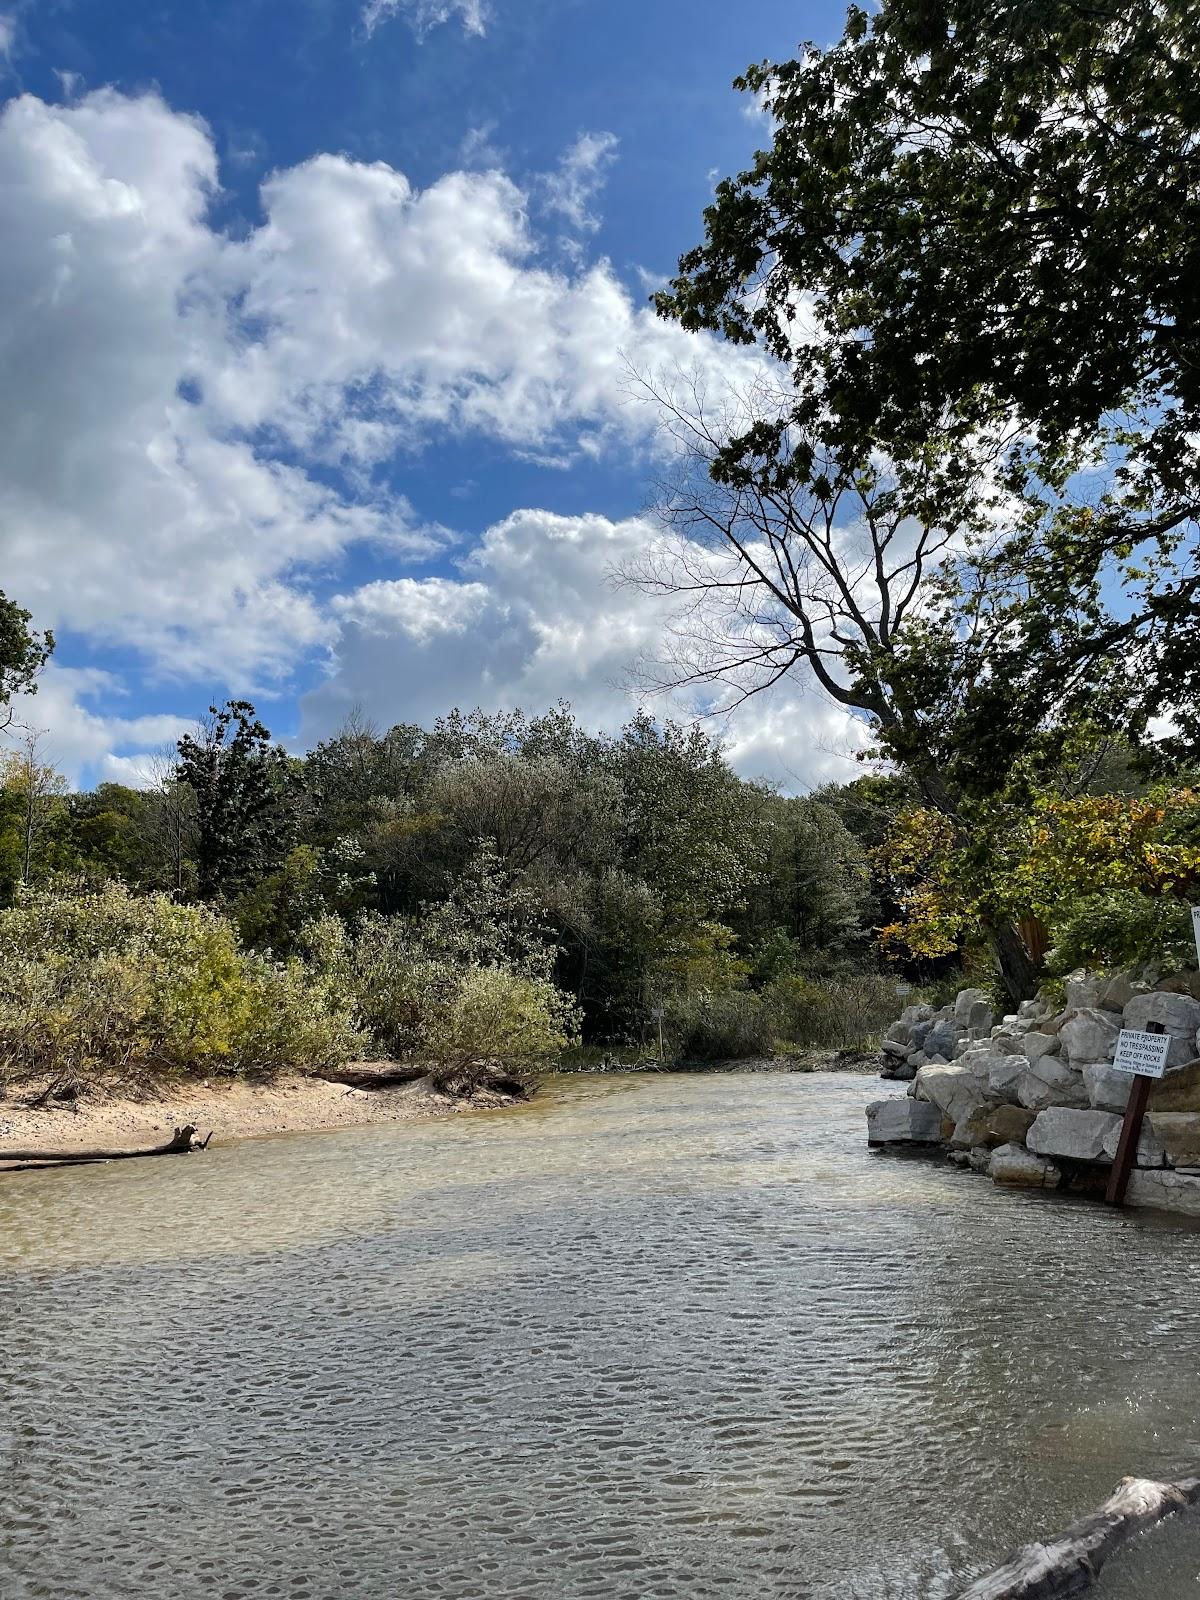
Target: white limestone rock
x=1004 y=1078
x=1082 y=990
x=1013 y=1167
x=1037 y=1044
x=903 y=1121
x=1090 y=1035
x=1071 y=1134
x=954 y=1089
x=1107 y=1089
x=1165 y=1190
x=964 y=1000
x=1048 y=1081
x=1178 y=1014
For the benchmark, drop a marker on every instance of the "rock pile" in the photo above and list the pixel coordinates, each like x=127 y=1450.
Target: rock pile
x=1034 y=1100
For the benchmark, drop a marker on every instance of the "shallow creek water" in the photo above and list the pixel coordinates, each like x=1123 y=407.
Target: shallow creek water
x=647 y=1337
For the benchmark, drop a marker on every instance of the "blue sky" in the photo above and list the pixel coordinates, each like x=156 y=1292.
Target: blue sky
x=317 y=319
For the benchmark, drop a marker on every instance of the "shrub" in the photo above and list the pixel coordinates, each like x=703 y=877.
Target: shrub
x=725 y=1025
x=839 y=1013
x=489 y=1020
x=101 y=987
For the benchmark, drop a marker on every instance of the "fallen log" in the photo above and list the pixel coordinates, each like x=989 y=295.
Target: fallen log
x=181 y=1143
x=1072 y=1561
x=372 y=1074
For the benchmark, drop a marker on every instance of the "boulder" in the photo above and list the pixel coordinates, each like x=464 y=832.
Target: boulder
x=1165 y=1190
x=942 y=1038
x=1049 y=1082
x=1082 y=990
x=1178 y=1014
x=1150 y=1150
x=1181 y=983
x=1013 y=1167
x=1179 y=1134
x=954 y=1089
x=990 y=1126
x=900 y=1048
x=1090 y=1035
x=1179 y=1090
x=898 y=1071
x=903 y=1121
x=1038 y=1044
x=1075 y=1135
x=980 y=1019
x=1071 y=1134
x=979 y=1159
x=964 y=1000
x=1107 y=1089
x=916 y=1014
x=1118 y=989
x=1004 y=1077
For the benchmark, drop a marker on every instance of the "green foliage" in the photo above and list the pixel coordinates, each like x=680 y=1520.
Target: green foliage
x=490 y=1020
x=845 y=1013
x=718 y=1026
x=23 y=652
x=241 y=786
x=464 y=985
x=106 y=987
x=1121 y=928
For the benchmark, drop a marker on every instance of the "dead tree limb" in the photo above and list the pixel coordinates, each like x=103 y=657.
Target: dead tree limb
x=373 y=1074
x=182 y=1142
x=1072 y=1561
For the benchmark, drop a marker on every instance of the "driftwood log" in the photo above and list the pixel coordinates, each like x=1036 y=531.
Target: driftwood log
x=372 y=1074
x=181 y=1143
x=1072 y=1562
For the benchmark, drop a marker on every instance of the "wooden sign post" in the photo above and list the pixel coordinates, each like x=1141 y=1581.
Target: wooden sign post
x=1144 y=1054
x=657 y=1014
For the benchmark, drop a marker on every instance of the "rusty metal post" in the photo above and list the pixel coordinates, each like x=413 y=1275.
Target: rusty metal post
x=1131 y=1132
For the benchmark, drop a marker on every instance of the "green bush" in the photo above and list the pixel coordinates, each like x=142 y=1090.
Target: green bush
x=102 y=987
x=1120 y=929
x=721 y=1025
x=490 y=1021
x=470 y=1020
x=839 y=1013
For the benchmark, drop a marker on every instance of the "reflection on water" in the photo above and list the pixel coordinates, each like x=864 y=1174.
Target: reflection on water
x=653 y=1337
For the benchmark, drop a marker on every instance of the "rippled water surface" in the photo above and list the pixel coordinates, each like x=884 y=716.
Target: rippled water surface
x=652 y=1337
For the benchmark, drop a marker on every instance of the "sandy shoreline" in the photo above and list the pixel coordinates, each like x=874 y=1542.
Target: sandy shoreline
x=231 y=1110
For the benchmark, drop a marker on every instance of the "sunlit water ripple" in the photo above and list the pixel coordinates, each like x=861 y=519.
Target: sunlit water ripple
x=652 y=1337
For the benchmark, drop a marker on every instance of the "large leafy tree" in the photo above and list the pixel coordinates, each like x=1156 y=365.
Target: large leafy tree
x=970 y=246
x=23 y=654
x=242 y=785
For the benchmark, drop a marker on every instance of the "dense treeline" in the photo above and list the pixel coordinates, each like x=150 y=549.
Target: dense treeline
x=610 y=876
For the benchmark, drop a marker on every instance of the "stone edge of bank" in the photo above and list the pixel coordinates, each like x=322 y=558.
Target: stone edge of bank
x=1033 y=1100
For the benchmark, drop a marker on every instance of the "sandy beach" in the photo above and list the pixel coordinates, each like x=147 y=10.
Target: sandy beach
x=232 y=1109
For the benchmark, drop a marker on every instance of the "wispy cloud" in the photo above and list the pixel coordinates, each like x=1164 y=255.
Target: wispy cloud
x=579 y=178
x=8 y=34
x=424 y=15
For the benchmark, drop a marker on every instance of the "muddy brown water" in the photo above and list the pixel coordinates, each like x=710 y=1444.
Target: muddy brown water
x=649 y=1337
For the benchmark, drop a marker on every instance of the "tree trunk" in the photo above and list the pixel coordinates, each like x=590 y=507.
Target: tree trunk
x=1073 y=1560
x=373 y=1074
x=182 y=1143
x=1017 y=969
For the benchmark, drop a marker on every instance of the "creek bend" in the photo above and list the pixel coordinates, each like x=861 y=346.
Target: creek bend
x=663 y=1336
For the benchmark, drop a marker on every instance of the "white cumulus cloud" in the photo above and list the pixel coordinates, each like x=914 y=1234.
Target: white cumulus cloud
x=533 y=617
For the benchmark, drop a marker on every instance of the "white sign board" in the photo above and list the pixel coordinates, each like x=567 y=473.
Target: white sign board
x=1196 y=931
x=1142 y=1053
x=906 y=988
x=657 y=1013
